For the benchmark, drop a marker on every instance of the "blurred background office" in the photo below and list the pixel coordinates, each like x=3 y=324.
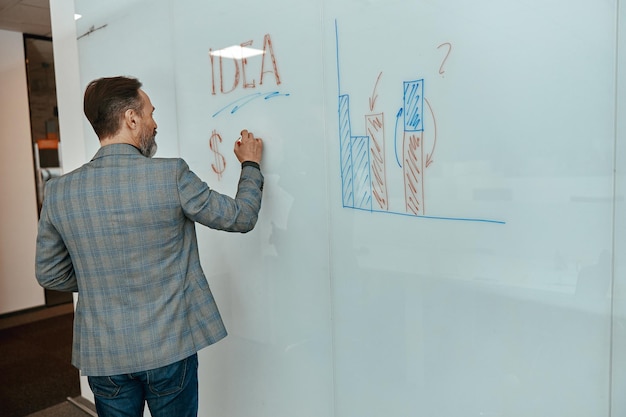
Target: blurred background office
x=35 y=324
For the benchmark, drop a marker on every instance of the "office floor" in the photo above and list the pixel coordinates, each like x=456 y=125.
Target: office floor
x=73 y=407
x=35 y=369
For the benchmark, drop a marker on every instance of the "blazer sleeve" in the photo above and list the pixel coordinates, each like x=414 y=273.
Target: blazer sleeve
x=219 y=211
x=53 y=265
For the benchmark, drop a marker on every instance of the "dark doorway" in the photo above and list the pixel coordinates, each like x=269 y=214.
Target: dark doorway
x=44 y=122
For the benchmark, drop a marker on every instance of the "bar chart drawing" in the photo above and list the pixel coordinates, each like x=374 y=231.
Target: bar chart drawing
x=364 y=159
x=413 y=146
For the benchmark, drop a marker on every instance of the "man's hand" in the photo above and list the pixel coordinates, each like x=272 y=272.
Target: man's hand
x=249 y=148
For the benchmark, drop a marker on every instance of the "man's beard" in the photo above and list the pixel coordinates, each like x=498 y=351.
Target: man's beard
x=148 y=145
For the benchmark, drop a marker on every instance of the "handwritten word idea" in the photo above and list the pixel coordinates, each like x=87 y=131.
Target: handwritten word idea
x=239 y=71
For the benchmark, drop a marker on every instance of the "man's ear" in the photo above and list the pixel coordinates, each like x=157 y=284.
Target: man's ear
x=130 y=118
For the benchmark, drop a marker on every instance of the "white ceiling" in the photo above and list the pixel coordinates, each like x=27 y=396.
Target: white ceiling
x=26 y=16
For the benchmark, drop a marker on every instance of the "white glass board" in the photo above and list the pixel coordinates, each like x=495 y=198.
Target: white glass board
x=437 y=230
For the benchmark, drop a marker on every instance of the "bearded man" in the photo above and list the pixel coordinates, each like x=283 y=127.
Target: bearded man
x=120 y=231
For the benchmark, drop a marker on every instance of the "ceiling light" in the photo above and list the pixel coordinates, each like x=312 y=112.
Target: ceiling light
x=237 y=52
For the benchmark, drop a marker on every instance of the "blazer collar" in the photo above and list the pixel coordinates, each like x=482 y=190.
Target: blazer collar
x=116 y=149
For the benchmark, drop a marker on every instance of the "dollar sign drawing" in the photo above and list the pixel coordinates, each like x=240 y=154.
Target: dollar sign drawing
x=220 y=162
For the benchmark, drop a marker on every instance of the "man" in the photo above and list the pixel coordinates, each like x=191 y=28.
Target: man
x=120 y=231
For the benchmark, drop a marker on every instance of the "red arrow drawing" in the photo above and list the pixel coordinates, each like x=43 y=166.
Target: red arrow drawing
x=429 y=156
x=374 y=94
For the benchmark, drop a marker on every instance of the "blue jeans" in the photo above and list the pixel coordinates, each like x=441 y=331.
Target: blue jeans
x=171 y=390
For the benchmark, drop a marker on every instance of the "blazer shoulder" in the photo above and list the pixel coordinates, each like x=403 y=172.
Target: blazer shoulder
x=172 y=161
x=175 y=164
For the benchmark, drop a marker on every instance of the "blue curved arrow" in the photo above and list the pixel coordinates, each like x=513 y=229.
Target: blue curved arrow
x=395 y=136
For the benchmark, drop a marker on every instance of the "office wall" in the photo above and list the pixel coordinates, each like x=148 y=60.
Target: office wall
x=18 y=199
x=474 y=271
x=69 y=95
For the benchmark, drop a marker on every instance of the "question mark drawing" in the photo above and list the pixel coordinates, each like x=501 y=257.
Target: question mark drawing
x=441 y=71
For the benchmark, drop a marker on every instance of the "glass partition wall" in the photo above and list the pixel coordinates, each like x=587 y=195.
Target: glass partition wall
x=442 y=224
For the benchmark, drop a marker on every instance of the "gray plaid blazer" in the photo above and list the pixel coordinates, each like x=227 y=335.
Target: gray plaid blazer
x=120 y=230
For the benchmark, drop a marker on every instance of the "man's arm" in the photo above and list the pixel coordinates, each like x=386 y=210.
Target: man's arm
x=53 y=265
x=218 y=211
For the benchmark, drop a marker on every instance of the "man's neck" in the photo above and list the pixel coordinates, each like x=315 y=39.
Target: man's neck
x=117 y=139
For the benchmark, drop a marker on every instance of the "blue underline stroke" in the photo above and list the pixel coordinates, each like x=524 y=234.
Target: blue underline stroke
x=239 y=103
